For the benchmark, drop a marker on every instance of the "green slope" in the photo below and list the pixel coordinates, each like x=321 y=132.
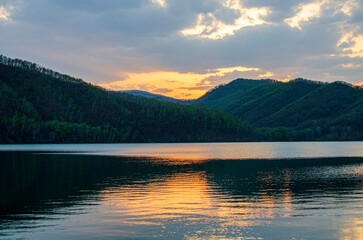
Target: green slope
x=263 y=101
x=258 y=100
x=328 y=111
x=335 y=110
x=39 y=105
x=326 y=102
x=223 y=96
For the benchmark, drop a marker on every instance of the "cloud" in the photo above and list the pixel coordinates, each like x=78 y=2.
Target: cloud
x=208 y=26
x=304 y=13
x=351 y=45
x=223 y=71
x=266 y=75
x=195 y=84
x=350 y=65
x=5 y=13
x=348 y=7
x=161 y=3
x=109 y=41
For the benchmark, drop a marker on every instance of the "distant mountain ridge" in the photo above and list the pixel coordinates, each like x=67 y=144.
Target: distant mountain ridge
x=153 y=95
x=38 y=105
x=332 y=109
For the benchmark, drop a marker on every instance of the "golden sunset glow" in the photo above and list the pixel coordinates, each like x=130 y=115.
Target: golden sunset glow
x=181 y=119
x=284 y=80
x=174 y=84
x=266 y=75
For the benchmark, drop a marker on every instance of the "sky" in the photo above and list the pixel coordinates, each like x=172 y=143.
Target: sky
x=182 y=48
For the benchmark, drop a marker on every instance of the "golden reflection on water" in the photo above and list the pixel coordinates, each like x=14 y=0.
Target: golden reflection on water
x=191 y=199
x=246 y=150
x=133 y=198
x=197 y=152
x=179 y=195
x=353 y=228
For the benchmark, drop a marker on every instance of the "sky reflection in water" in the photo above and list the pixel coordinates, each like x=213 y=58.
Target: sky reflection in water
x=105 y=197
x=203 y=151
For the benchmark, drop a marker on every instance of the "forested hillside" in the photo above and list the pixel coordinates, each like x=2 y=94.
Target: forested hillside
x=327 y=111
x=38 y=105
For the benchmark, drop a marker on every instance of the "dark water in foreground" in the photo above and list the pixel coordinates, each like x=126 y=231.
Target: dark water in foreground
x=188 y=195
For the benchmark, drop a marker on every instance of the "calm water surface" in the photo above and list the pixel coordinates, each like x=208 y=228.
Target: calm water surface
x=182 y=191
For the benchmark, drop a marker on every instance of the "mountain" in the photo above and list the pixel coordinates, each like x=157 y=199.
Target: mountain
x=154 y=96
x=328 y=110
x=321 y=102
x=225 y=96
x=39 y=105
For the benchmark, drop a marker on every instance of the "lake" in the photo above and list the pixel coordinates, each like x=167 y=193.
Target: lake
x=295 y=190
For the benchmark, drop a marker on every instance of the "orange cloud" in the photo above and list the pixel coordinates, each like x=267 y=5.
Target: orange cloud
x=266 y=75
x=351 y=45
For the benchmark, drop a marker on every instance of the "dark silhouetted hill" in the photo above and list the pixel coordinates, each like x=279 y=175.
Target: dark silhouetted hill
x=38 y=105
x=153 y=96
